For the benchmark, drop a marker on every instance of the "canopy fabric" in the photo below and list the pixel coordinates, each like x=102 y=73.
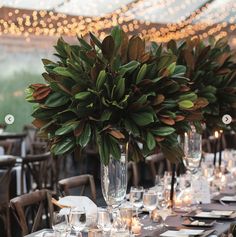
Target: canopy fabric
x=157 y=20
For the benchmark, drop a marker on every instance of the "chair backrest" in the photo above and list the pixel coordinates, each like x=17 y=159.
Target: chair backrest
x=82 y=181
x=37 y=167
x=6 y=165
x=32 y=211
x=157 y=164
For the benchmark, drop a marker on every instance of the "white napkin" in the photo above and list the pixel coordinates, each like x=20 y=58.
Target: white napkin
x=45 y=234
x=81 y=202
x=182 y=233
x=228 y=199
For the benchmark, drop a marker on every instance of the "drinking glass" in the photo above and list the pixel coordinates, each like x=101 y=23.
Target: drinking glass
x=150 y=203
x=60 y=224
x=104 y=220
x=77 y=220
x=136 y=197
x=192 y=145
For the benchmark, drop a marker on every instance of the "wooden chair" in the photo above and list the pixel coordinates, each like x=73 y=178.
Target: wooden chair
x=157 y=165
x=6 y=165
x=32 y=211
x=37 y=170
x=83 y=181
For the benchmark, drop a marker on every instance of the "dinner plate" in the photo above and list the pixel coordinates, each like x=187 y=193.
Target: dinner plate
x=197 y=223
x=214 y=214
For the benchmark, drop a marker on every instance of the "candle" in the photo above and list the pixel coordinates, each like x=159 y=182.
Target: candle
x=187 y=200
x=136 y=227
x=220 y=156
x=178 y=202
x=215 y=145
x=172 y=184
x=95 y=233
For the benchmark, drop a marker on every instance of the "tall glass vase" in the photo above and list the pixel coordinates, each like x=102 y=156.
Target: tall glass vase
x=192 y=146
x=114 y=180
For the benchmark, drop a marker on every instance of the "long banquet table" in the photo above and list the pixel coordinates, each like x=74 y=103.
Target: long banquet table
x=174 y=222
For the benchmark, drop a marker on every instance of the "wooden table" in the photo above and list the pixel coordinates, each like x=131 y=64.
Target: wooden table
x=174 y=223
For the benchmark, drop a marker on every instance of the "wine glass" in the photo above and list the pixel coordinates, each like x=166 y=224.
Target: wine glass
x=192 y=145
x=136 y=197
x=104 y=220
x=60 y=224
x=77 y=220
x=150 y=203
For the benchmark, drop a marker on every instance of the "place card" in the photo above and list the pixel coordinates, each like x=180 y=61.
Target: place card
x=201 y=190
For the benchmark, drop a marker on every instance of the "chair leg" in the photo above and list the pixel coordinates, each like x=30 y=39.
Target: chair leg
x=6 y=221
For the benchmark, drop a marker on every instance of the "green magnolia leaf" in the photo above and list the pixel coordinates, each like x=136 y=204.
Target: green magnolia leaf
x=101 y=79
x=82 y=95
x=66 y=128
x=106 y=115
x=131 y=127
x=84 y=44
x=120 y=88
x=64 y=146
x=142 y=118
x=189 y=96
x=151 y=142
x=141 y=73
x=56 y=99
x=185 y=104
x=163 y=131
x=95 y=40
x=103 y=148
x=129 y=67
x=85 y=136
x=114 y=148
x=165 y=61
x=171 y=68
x=179 y=70
x=117 y=36
x=62 y=71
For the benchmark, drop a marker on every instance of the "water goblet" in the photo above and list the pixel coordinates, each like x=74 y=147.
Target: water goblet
x=60 y=224
x=136 y=197
x=77 y=220
x=150 y=203
x=104 y=220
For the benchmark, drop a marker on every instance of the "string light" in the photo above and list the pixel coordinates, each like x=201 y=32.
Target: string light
x=138 y=16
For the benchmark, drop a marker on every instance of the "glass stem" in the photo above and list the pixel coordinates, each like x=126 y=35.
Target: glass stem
x=137 y=212
x=150 y=214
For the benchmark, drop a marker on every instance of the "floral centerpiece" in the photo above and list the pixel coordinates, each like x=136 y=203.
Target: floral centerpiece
x=111 y=92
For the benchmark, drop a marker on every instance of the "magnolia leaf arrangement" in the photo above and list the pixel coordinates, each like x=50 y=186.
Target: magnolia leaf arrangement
x=116 y=91
x=211 y=67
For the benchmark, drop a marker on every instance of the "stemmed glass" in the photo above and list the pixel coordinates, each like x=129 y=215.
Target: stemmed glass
x=150 y=203
x=60 y=224
x=104 y=220
x=192 y=145
x=77 y=220
x=136 y=197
